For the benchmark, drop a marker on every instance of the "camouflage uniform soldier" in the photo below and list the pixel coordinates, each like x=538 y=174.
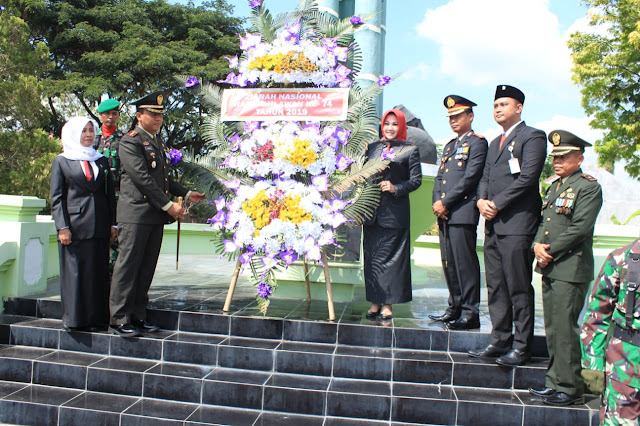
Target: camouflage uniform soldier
x=615 y=302
x=106 y=143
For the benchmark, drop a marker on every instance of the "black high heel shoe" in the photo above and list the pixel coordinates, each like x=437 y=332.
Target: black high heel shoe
x=372 y=316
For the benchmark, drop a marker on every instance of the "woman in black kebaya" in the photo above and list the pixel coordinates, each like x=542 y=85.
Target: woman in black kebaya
x=387 y=246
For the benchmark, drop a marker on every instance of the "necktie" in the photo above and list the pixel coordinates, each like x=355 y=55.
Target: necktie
x=88 y=173
x=502 y=139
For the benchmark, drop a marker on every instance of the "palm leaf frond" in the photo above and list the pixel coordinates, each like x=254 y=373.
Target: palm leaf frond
x=365 y=200
x=368 y=170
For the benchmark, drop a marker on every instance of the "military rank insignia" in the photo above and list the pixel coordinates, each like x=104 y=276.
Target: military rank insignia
x=132 y=133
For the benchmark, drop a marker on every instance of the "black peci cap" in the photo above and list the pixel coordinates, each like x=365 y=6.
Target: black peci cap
x=506 y=91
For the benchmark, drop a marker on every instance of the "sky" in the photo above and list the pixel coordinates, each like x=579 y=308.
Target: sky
x=468 y=47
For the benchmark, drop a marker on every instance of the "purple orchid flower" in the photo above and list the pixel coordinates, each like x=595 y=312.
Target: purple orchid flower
x=342 y=72
x=246 y=257
x=232 y=79
x=229 y=246
x=218 y=221
x=326 y=238
x=342 y=162
x=338 y=204
x=291 y=32
x=341 y=53
x=232 y=184
x=250 y=126
x=220 y=203
x=175 y=156
x=289 y=256
x=269 y=262
x=388 y=154
x=249 y=40
x=321 y=182
x=384 y=80
x=338 y=219
x=264 y=290
x=231 y=162
x=191 y=82
x=330 y=43
x=311 y=125
x=233 y=62
x=342 y=135
x=356 y=20
x=255 y=3
x=345 y=83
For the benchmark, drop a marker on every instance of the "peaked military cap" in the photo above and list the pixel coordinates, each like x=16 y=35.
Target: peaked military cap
x=565 y=142
x=506 y=91
x=108 y=105
x=151 y=102
x=456 y=104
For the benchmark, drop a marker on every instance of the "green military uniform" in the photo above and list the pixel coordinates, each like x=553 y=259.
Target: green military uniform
x=569 y=211
x=145 y=189
x=608 y=306
x=109 y=148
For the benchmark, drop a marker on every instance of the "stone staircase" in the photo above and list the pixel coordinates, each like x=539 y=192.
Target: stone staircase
x=212 y=369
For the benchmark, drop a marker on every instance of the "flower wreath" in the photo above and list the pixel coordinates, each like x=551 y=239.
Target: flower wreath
x=288 y=186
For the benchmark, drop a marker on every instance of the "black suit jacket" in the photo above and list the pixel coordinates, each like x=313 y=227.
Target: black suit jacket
x=145 y=182
x=458 y=177
x=405 y=173
x=87 y=208
x=516 y=195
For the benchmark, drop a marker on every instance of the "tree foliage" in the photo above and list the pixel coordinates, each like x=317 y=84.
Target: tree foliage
x=607 y=66
x=26 y=152
x=126 y=48
x=21 y=66
x=26 y=158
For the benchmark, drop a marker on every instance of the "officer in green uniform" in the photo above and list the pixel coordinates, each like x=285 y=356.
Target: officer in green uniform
x=143 y=209
x=563 y=247
x=614 y=364
x=106 y=143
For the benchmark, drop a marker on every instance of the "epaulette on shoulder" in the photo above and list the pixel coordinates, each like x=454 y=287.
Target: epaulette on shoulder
x=589 y=177
x=132 y=133
x=477 y=135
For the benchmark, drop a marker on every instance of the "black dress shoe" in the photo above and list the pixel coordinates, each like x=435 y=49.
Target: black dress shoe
x=145 y=326
x=562 y=399
x=514 y=358
x=490 y=351
x=125 y=330
x=542 y=392
x=446 y=317
x=464 y=324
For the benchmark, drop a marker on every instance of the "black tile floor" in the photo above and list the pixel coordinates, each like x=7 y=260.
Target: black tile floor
x=291 y=368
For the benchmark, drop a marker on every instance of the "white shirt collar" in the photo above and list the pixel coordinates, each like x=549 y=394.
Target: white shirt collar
x=508 y=132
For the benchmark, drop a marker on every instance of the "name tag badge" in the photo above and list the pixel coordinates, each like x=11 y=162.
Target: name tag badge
x=514 y=165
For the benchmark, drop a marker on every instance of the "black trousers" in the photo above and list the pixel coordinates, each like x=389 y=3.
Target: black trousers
x=133 y=272
x=461 y=268
x=508 y=262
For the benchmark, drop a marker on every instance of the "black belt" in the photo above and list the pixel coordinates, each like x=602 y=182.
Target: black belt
x=627 y=336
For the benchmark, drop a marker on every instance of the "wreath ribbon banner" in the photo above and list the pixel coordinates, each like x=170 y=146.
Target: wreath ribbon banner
x=304 y=104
